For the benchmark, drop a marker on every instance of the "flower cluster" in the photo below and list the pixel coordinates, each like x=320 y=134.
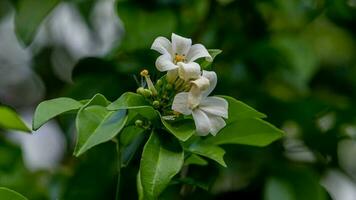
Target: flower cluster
x=185 y=89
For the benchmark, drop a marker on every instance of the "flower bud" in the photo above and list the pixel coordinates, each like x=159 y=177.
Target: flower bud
x=138 y=123
x=149 y=82
x=147 y=93
x=140 y=90
x=159 y=83
x=155 y=104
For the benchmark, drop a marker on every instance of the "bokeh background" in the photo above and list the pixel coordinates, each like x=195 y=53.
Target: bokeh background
x=294 y=60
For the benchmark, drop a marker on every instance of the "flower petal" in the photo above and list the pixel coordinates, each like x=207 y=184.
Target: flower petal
x=188 y=71
x=213 y=79
x=162 y=45
x=198 y=51
x=180 y=45
x=164 y=63
x=216 y=124
x=172 y=75
x=202 y=122
x=215 y=106
x=180 y=103
x=196 y=91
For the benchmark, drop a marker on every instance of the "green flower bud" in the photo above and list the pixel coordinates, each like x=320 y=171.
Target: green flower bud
x=147 y=93
x=140 y=90
x=155 y=104
x=159 y=83
x=139 y=123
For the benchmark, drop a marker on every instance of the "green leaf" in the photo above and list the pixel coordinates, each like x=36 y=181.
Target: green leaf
x=238 y=110
x=10 y=120
x=131 y=139
x=147 y=112
x=160 y=161
x=182 y=129
x=49 y=109
x=252 y=131
x=213 y=53
x=128 y=100
x=195 y=160
x=211 y=151
x=97 y=99
x=29 y=15
x=96 y=125
x=137 y=103
x=7 y=194
x=139 y=186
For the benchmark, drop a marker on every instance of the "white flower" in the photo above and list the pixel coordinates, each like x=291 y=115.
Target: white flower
x=178 y=57
x=208 y=112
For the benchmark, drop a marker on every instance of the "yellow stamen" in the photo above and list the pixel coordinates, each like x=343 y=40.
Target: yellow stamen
x=179 y=58
x=144 y=72
x=150 y=85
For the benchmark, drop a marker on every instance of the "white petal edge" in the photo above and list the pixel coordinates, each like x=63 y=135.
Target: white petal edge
x=202 y=122
x=164 y=63
x=215 y=106
x=180 y=45
x=213 y=79
x=180 y=103
x=198 y=51
x=188 y=71
x=196 y=91
x=162 y=45
x=216 y=124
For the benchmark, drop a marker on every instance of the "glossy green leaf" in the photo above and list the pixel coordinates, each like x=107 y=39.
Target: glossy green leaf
x=7 y=194
x=29 y=15
x=131 y=139
x=128 y=100
x=239 y=110
x=10 y=120
x=97 y=99
x=195 y=160
x=182 y=129
x=211 y=151
x=213 y=53
x=137 y=103
x=159 y=163
x=148 y=112
x=250 y=131
x=96 y=125
x=139 y=186
x=49 y=109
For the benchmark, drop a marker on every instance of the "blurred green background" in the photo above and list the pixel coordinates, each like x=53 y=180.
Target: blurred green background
x=294 y=60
